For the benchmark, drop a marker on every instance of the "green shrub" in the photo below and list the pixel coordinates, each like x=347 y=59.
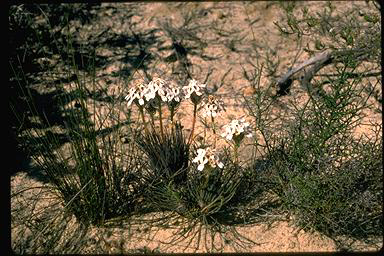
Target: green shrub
x=346 y=202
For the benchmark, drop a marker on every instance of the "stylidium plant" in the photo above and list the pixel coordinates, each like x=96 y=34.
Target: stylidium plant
x=150 y=96
x=137 y=95
x=194 y=91
x=211 y=108
x=154 y=95
x=171 y=94
x=207 y=159
x=235 y=131
x=155 y=88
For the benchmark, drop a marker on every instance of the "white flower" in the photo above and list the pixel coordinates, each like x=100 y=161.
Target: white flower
x=212 y=107
x=205 y=156
x=155 y=86
x=214 y=160
x=170 y=92
x=144 y=93
x=173 y=94
x=200 y=158
x=136 y=93
x=193 y=87
x=236 y=130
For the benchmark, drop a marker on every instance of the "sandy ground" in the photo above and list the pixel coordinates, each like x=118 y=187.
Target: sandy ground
x=277 y=236
x=227 y=51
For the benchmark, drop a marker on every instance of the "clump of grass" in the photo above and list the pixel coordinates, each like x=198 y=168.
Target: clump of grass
x=96 y=176
x=209 y=192
x=341 y=200
x=92 y=184
x=207 y=204
x=168 y=154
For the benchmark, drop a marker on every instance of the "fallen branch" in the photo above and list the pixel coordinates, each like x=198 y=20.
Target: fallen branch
x=317 y=62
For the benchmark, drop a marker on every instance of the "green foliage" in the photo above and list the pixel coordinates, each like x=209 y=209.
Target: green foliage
x=209 y=194
x=325 y=122
x=327 y=177
x=330 y=180
x=168 y=154
x=345 y=202
x=329 y=28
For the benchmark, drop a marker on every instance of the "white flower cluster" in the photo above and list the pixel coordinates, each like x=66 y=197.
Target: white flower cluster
x=207 y=156
x=193 y=90
x=156 y=86
x=136 y=93
x=212 y=107
x=167 y=91
x=237 y=129
x=170 y=92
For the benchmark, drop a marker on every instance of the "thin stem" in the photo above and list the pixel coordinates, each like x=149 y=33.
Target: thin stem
x=172 y=113
x=161 y=120
x=213 y=125
x=152 y=120
x=214 y=130
x=207 y=174
x=236 y=154
x=143 y=119
x=193 y=122
x=205 y=130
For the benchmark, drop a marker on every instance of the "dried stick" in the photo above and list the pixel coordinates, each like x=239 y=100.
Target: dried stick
x=318 y=62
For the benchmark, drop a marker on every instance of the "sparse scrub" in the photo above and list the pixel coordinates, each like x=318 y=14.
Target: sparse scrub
x=113 y=154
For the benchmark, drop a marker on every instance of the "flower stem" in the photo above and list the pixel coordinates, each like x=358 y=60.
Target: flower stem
x=205 y=130
x=161 y=120
x=213 y=125
x=236 y=154
x=206 y=179
x=214 y=130
x=193 y=122
x=172 y=113
x=143 y=119
x=152 y=120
